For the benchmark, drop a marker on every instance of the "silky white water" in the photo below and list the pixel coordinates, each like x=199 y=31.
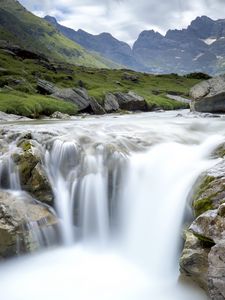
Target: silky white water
x=121 y=185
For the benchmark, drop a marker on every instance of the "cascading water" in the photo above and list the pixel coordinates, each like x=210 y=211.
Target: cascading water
x=120 y=191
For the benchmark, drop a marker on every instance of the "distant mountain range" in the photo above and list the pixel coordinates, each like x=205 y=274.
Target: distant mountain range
x=199 y=48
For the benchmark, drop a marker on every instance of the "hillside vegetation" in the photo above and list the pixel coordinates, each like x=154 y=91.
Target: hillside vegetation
x=18 y=79
x=19 y=26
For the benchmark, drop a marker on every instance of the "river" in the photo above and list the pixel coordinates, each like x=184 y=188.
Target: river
x=129 y=178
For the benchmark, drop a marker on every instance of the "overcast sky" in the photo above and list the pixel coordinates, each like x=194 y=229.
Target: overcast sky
x=125 y=19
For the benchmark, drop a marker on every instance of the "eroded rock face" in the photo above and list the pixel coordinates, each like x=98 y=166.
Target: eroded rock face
x=209 y=96
x=33 y=177
x=194 y=260
x=19 y=216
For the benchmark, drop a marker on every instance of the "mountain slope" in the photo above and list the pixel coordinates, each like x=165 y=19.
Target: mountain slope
x=104 y=44
x=18 y=26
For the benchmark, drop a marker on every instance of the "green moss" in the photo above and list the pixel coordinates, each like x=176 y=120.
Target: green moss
x=202 y=205
x=204 y=186
x=25 y=145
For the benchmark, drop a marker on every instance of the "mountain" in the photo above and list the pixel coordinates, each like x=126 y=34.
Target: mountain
x=104 y=44
x=198 y=48
x=19 y=26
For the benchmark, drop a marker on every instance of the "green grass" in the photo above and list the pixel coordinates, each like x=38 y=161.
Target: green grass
x=33 y=105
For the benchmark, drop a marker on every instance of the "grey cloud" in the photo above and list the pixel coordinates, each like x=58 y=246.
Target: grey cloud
x=125 y=19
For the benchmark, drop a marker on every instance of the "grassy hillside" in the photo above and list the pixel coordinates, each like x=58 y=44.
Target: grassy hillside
x=18 y=26
x=18 y=79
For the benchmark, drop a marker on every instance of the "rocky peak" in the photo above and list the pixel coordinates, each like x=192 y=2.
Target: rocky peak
x=51 y=20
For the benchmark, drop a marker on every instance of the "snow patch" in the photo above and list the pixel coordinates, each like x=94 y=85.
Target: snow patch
x=209 y=41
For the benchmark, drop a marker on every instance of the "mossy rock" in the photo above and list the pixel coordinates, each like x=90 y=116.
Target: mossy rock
x=209 y=194
x=33 y=177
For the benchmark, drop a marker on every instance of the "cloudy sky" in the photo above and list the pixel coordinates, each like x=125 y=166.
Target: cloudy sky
x=125 y=19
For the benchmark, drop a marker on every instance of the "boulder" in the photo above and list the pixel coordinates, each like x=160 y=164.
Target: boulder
x=71 y=95
x=130 y=77
x=131 y=101
x=60 y=116
x=209 y=96
x=216 y=272
x=96 y=107
x=210 y=226
x=111 y=104
x=21 y=219
x=194 y=260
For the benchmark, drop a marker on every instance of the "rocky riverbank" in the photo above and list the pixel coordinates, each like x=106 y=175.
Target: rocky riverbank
x=203 y=256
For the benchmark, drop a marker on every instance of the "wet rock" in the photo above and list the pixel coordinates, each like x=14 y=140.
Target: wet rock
x=18 y=216
x=194 y=260
x=33 y=177
x=216 y=272
x=60 y=116
x=209 y=96
x=131 y=101
x=10 y=117
x=111 y=103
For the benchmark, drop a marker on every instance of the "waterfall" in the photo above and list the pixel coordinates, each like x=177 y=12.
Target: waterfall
x=121 y=196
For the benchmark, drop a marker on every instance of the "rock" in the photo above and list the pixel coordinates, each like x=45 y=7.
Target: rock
x=209 y=96
x=59 y=115
x=19 y=214
x=209 y=226
x=10 y=117
x=45 y=87
x=131 y=101
x=178 y=98
x=194 y=260
x=210 y=191
x=216 y=272
x=72 y=96
x=130 y=77
x=33 y=177
x=77 y=96
x=96 y=107
x=111 y=104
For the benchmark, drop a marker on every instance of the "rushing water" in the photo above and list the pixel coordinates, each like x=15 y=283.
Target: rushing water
x=121 y=185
